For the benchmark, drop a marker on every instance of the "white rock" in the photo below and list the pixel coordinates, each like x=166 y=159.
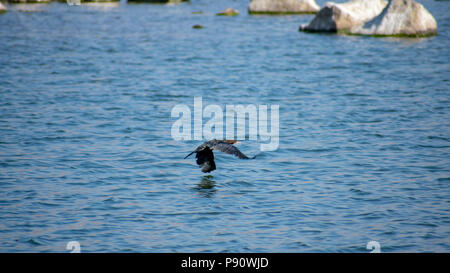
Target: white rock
x=29 y=1
x=400 y=17
x=2 y=8
x=335 y=17
x=283 y=6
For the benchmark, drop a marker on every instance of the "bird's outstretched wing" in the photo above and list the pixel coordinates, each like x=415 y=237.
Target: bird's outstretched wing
x=189 y=154
x=229 y=149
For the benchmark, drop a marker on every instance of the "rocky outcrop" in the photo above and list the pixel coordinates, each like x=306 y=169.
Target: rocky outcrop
x=343 y=17
x=400 y=18
x=228 y=12
x=28 y=1
x=282 y=6
x=2 y=8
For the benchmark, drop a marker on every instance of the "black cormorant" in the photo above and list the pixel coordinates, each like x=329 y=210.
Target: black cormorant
x=205 y=155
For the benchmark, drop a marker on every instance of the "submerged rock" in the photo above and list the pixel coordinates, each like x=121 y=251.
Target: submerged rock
x=197 y=26
x=79 y=2
x=157 y=1
x=282 y=6
x=228 y=12
x=400 y=18
x=345 y=16
x=101 y=2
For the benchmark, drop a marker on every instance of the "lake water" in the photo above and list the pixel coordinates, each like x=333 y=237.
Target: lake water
x=86 y=152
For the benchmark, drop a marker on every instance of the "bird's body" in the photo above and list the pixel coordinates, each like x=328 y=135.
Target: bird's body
x=205 y=155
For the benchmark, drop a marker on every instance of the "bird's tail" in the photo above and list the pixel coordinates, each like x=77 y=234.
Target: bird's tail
x=189 y=154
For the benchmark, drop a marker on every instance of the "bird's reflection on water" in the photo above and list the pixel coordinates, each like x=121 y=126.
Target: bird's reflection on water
x=206 y=187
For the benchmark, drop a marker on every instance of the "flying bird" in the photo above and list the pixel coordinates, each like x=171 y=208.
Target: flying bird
x=205 y=155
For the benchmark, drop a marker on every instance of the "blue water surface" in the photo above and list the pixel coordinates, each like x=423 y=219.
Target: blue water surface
x=86 y=152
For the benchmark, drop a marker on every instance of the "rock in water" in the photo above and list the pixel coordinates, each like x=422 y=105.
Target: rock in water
x=29 y=1
x=228 y=12
x=2 y=8
x=159 y=1
x=100 y=2
x=282 y=6
x=400 y=18
x=343 y=17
